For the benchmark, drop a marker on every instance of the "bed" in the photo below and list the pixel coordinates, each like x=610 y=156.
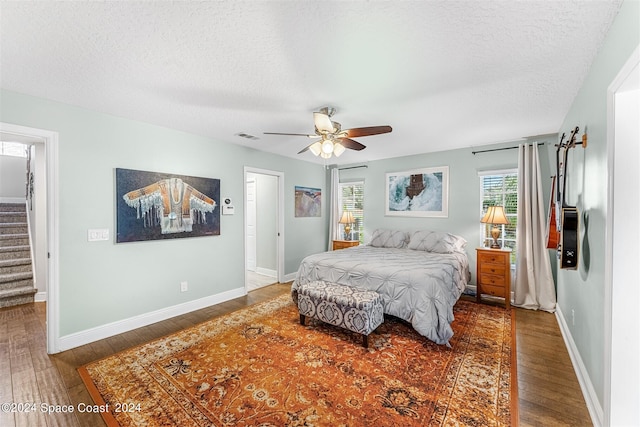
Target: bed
x=420 y=275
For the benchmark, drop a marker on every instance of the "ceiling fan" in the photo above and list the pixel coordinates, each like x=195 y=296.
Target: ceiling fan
x=333 y=139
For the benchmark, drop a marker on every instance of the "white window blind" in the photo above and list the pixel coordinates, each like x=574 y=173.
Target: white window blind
x=500 y=188
x=352 y=199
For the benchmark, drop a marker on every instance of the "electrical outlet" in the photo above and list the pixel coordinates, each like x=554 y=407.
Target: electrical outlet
x=184 y=286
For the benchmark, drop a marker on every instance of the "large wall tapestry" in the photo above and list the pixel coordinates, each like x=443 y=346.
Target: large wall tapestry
x=308 y=201
x=419 y=192
x=152 y=205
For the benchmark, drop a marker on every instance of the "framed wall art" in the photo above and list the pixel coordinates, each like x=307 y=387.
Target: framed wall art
x=153 y=206
x=308 y=201
x=418 y=193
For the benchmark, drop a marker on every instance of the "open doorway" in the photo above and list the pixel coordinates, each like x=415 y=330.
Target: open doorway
x=622 y=241
x=263 y=228
x=44 y=220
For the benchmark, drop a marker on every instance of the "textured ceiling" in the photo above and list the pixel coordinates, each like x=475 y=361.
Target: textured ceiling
x=443 y=74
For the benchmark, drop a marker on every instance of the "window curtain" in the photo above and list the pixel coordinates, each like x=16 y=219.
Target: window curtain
x=534 y=287
x=334 y=207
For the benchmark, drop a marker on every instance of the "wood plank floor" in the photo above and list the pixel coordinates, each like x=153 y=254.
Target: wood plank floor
x=549 y=393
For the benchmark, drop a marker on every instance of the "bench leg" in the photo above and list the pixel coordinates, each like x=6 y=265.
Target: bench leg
x=302 y=319
x=365 y=341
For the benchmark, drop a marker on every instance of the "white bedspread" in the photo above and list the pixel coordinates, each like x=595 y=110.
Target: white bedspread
x=419 y=287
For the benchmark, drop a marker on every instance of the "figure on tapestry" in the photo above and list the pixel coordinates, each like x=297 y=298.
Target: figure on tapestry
x=171 y=203
x=165 y=206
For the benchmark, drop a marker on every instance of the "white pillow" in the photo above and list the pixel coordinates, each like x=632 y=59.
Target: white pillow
x=388 y=239
x=436 y=241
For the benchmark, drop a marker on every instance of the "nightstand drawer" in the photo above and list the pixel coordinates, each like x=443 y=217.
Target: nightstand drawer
x=491 y=279
x=493 y=269
x=343 y=244
x=496 y=291
x=492 y=258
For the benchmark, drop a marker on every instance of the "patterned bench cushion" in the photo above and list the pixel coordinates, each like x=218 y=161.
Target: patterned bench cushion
x=351 y=308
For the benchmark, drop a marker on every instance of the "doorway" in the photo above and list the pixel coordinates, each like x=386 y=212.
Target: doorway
x=46 y=201
x=622 y=371
x=263 y=227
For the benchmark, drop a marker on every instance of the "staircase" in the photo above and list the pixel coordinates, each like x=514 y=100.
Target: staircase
x=16 y=274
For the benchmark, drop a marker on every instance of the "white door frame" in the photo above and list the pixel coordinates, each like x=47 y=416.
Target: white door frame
x=50 y=139
x=280 y=220
x=617 y=386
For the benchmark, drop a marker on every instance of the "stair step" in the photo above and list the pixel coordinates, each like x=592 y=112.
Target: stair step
x=20 y=239
x=13 y=207
x=13 y=252
x=14 y=228
x=17 y=296
x=12 y=277
x=12 y=217
x=15 y=265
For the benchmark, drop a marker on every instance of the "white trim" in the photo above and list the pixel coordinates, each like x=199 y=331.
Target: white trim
x=50 y=139
x=105 y=331
x=40 y=297
x=288 y=277
x=618 y=81
x=267 y=272
x=280 y=232
x=588 y=391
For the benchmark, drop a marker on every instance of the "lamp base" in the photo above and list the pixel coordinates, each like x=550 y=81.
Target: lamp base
x=495 y=233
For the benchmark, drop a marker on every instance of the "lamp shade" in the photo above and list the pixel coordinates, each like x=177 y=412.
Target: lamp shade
x=495 y=215
x=347 y=218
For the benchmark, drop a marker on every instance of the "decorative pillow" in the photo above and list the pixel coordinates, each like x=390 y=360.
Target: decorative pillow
x=388 y=239
x=436 y=241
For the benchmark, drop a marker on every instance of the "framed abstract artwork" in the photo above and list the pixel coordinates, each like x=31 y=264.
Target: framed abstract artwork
x=308 y=202
x=418 y=193
x=153 y=206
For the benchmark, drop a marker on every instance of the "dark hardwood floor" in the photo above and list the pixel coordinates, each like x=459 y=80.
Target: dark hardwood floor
x=548 y=389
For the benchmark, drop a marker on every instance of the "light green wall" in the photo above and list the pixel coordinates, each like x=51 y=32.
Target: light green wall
x=103 y=282
x=464 y=189
x=583 y=291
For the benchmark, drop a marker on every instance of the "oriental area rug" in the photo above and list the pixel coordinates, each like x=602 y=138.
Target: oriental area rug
x=259 y=367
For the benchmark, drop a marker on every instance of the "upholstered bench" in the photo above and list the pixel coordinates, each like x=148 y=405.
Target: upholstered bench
x=351 y=308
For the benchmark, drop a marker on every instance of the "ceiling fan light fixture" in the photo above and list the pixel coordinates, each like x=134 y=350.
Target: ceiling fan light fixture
x=327 y=147
x=338 y=149
x=316 y=148
x=325 y=155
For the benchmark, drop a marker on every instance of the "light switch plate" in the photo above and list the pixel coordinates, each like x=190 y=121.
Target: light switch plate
x=97 y=234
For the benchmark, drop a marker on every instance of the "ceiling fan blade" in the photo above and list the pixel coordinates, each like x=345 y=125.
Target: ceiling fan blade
x=366 y=131
x=291 y=134
x=323 y=122
x=350 y=143
x=307 y=147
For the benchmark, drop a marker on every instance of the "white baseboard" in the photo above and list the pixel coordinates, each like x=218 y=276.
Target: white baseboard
x=40 y=297
x=267 y=272
x=289 y=277
x=589 y=393
x=105 y=331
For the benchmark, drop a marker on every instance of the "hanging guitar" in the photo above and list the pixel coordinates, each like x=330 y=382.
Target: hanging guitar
x=568 y=226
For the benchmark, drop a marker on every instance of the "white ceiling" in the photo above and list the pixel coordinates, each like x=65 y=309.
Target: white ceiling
x=443 y=74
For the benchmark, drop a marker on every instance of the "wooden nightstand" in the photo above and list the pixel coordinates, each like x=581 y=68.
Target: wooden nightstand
x=341 y=244
x=493 y=274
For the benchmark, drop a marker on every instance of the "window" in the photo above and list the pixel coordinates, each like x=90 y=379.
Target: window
x=352 y=199
x=500 y=188
x=15 y=149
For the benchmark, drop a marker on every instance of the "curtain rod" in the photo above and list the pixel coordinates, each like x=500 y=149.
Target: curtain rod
x=499 y=149
x=353 y=167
